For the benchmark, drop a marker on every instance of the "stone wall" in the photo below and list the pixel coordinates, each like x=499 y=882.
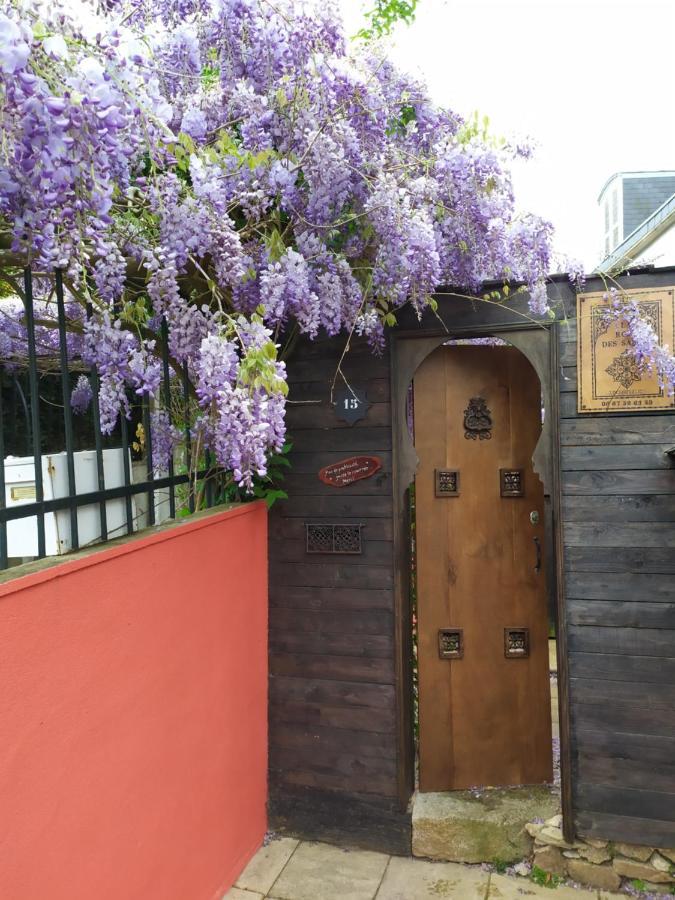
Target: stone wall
x=602 y=864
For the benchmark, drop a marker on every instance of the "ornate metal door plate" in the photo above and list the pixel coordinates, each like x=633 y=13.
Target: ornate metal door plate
x=512 y=482
x=446 y=482
x=516 y=643
x=450 y=643
x=477 y=420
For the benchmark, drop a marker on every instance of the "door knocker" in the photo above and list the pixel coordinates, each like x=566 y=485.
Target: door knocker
x=477 y=420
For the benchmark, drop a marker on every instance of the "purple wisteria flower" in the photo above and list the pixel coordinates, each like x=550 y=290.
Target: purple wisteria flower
x=81 y=395
x=213 y=175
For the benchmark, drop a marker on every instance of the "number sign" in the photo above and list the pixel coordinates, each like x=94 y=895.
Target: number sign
x=351 y=404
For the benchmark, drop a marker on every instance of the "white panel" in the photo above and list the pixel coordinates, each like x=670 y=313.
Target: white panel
x=19 y=476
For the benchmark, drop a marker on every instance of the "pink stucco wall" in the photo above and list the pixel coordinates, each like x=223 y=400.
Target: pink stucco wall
x=133 y=716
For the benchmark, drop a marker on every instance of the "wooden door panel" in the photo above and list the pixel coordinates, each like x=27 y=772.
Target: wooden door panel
x=484 y=719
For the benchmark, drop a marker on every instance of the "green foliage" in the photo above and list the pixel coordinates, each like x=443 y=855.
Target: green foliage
x=6 y=290
x=385 y=15
x=499 y=865
x=266 y=487
x=638 y=884
x=545 y=879
x=399 y=125
x=210 y=73
x=134 y=312
x=478 y=127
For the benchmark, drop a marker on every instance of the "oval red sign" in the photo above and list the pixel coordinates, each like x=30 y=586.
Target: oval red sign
x=347 y=471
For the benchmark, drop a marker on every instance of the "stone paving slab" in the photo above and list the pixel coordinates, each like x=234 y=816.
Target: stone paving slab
x=314 y=871
x=323 y=872
x=237 y=894
x=505 y=888
x=266 y=866
x=406 y=879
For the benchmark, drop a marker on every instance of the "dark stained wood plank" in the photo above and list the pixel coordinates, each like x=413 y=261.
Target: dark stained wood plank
x=626 y=773
x=627 y=802
x=630 y=693
x=333 y=574
x=358 y=718
x=368 y=743
x=338 y=668
x=310 y=462
x=635 y=429
x=614 y=667
x=349 y=765
x=369 y=646
x=322 y=415
x=617 y=508
x=568 y=405
x=287 y=529
x=374 y=553
x=660 y=560
x=306 y=484
x=316 y=691
x=366 y=439
x=329 y=598
x=348 y=820
x=621 y=718
x=377 y=391
x=629 y=590
x=661 y=481
x=568 y=378
x=325 y=346
x=617 y=456
x=336 y=506
x=358 y=370
x=622 y=641
x=630 y=829
x=326 y=621
x=369 y=782
x=631 y=534
x=646 y=748
x=623 y=613
x=568 y=353
x=568 y=330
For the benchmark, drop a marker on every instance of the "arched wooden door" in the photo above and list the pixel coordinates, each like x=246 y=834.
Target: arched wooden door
x=484 y=697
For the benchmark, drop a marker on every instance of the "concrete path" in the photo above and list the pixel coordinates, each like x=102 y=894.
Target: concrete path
x=287 y=869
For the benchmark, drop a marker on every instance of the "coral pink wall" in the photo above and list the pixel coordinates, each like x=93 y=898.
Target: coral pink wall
x=133 y=716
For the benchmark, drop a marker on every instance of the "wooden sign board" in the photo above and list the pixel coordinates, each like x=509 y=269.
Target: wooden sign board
x=609 y=379
x=347 y=471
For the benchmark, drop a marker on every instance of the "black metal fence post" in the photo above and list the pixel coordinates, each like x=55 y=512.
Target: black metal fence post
x=67 y=411
x=34 y=409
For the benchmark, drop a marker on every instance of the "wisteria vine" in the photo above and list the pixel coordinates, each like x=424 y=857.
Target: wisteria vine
x=647 y=352
x=232 y=169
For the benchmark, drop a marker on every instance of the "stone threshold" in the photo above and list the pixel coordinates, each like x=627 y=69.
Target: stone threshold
x=485 y=825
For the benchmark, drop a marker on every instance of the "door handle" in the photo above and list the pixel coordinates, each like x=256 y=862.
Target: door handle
x=537 y=565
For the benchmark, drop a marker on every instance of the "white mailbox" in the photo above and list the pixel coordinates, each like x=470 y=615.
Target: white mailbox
x=20 y=489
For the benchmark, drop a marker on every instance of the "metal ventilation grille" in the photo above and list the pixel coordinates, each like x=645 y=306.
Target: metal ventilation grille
x=333 y=538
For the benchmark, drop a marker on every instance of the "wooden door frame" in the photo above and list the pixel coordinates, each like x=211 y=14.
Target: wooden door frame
x=408 y=350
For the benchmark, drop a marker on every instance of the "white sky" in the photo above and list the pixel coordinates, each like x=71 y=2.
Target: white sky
x=591 y=81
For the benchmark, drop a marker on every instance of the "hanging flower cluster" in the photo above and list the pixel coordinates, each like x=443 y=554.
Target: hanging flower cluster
x=232 y=170
x=649 y=354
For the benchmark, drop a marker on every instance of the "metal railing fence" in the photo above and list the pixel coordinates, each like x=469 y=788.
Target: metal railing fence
x=186 y=488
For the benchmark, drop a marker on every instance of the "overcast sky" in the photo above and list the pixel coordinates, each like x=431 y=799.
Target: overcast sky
x=591 y=81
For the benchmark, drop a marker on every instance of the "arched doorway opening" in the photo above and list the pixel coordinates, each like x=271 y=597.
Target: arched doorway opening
x=534 y=568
